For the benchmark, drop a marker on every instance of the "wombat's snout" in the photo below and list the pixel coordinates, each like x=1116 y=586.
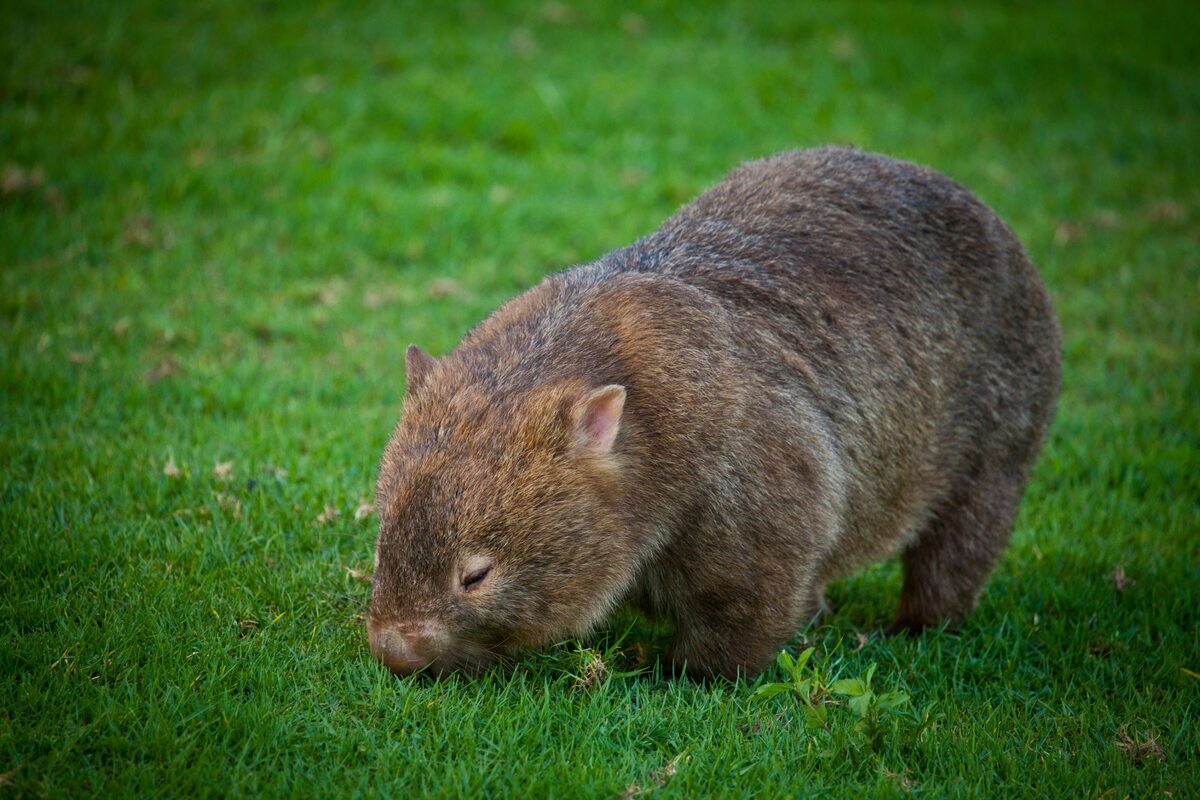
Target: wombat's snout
x=405 y=648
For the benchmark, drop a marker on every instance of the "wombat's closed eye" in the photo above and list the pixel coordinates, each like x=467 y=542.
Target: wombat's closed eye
x=828 y=358
x=474 y=572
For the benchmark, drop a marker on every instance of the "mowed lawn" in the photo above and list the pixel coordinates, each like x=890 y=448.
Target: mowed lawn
x=221 y=225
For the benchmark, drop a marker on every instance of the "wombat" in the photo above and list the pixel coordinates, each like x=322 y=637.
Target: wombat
x=828 y=358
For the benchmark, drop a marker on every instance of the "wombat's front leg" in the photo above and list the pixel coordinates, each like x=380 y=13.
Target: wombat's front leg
x=727 y=638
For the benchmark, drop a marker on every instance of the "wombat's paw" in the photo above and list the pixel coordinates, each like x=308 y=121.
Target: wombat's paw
x=913 y=626
x=685 y=660
x=691 y=666
x=719 y=662
x=705 y=673
x=899 y=628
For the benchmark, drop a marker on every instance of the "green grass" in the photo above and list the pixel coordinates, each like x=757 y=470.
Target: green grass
x=244 y=215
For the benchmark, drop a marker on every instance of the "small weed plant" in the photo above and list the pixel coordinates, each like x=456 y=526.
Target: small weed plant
x=872 y=712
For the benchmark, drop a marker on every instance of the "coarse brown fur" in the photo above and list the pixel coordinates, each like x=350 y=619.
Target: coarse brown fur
x=828 y=358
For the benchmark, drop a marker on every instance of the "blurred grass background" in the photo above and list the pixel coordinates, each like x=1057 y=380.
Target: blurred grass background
x=220 y=224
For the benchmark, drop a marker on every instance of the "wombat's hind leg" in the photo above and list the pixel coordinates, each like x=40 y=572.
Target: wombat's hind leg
x=948 y=563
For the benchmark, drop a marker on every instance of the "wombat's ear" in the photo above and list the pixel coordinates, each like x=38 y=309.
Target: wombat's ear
x=598 y=418
x=417 y=366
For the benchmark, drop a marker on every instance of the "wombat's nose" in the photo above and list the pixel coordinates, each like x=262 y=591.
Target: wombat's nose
x=405 y=651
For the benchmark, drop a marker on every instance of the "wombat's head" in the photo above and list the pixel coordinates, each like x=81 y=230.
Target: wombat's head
x=500 y=523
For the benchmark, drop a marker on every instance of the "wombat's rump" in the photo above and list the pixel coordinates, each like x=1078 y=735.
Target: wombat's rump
x=828 y=358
